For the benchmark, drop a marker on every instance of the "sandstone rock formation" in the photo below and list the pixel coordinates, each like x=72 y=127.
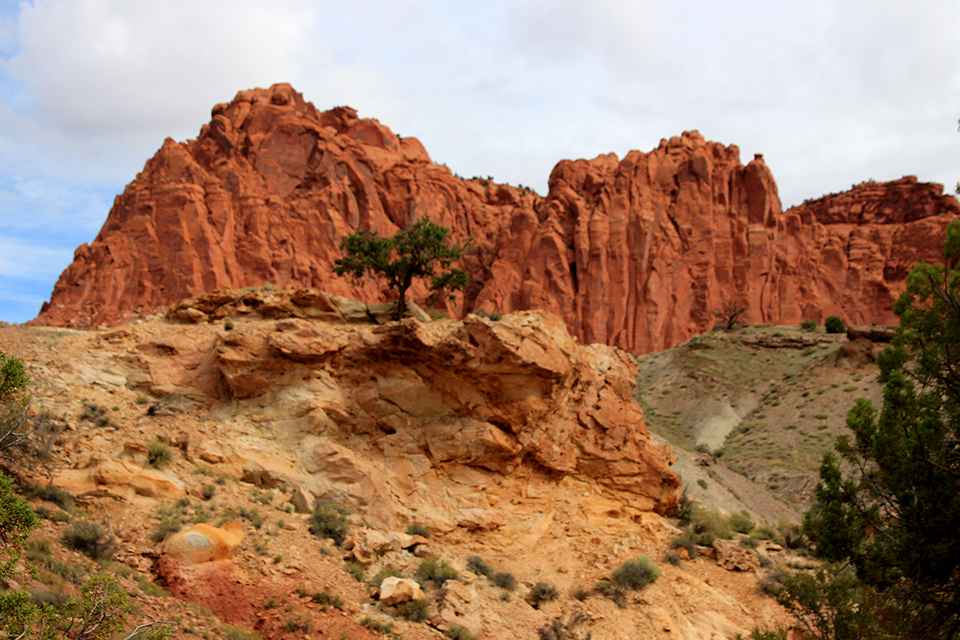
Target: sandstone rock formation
x=203 y=543
x=425 y=420
x=637 y=252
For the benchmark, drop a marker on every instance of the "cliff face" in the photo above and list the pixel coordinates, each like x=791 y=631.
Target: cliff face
x=638 y=252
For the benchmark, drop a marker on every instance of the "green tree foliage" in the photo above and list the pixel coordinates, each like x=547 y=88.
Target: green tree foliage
x=13 y=379
x=421 y=251
x=833 y=324
x=895 y=516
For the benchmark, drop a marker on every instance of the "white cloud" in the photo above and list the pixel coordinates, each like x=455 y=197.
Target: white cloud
x=831 y=91
x=115 y=67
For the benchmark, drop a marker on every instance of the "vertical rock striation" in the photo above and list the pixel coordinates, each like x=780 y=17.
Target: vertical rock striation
x=637 y=253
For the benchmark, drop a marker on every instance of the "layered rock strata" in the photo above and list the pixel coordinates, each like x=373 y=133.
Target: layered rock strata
x=638 y=252
x=451 y=423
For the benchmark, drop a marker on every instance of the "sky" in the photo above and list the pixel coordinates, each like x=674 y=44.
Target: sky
x=831 y=92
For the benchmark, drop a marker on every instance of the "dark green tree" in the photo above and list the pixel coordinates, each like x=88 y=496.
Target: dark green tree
x=895 y=514
x=423 y=250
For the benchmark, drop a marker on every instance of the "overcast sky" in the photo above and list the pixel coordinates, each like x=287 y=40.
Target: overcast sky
x=831 y=92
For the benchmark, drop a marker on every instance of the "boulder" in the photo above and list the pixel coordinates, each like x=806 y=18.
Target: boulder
x=394 y=591
x=203 y=543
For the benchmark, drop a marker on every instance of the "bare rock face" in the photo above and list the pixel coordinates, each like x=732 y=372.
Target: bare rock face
x=203 y=543
x=448 y=423
x=636 y=252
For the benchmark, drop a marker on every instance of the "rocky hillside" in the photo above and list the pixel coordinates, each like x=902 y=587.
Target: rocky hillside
x=637 y=252
x=258 y=410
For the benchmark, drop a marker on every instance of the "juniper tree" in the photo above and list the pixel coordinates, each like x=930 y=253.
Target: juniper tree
x=895 y=514
x=423 y=250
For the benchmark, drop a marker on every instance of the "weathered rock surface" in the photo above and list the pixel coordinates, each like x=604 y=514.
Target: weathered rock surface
x=203 y=543
x=118 y=478
x=429 y=420
x=394 y=591
x=732 y=557
x=636 y=252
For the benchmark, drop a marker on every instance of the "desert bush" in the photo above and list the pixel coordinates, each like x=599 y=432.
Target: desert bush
x=478 y=566
x=231 y=632
x=355 y=569
x=50 y=493
x=164 y=529
x=685 y=541
x=749 y=542
x=375 y=625
x=158 y=453
x=672 y=557
x=327 y=598
x=708 y=525
x=504 y=580
x=456 y=632
x=436 y=571
x=552 y=631
x=414 y=610
x=808 y=324
x=89 y=539
x=417 y=529
x=542 y=592
x=833 y=324
x=741 y=522
x=329 y=521
x=608 y=590
x=636 y=574
x=208 y=491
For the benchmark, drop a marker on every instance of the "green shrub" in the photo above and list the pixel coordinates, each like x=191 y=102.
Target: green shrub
x=435 y=571
x=540 y=593
x=808 y=324
x=297 y=625
x=833 y=324
x=376 y=625
x=504 y=580
x=158 y=453
x=414 y=610
x=166 y=528
x=89 y=539
x=50 y=493
x=456 y=632
x=478 y=566
x=355 y=569
x=329 y=521
x=417 y=529
x=685 y=541
x=741 y=522
x=636 y=574
x=230 y=632
x=702 y=483
x=327 y=598
x=208 y=491
x=608 y=590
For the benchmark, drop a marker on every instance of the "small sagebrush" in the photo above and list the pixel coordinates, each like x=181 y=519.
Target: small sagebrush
x=158 y=453
x=330 y=521
x=90 y=540
x=636 y=574
x=436 y=571
x=540 y=593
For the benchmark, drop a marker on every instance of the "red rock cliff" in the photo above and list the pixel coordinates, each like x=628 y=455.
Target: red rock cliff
x=637 y=252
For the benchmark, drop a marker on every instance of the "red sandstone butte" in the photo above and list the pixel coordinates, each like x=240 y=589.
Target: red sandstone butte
x=636 y=252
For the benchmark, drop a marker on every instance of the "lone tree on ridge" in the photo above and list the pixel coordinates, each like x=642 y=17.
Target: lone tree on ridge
x=423 y=250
